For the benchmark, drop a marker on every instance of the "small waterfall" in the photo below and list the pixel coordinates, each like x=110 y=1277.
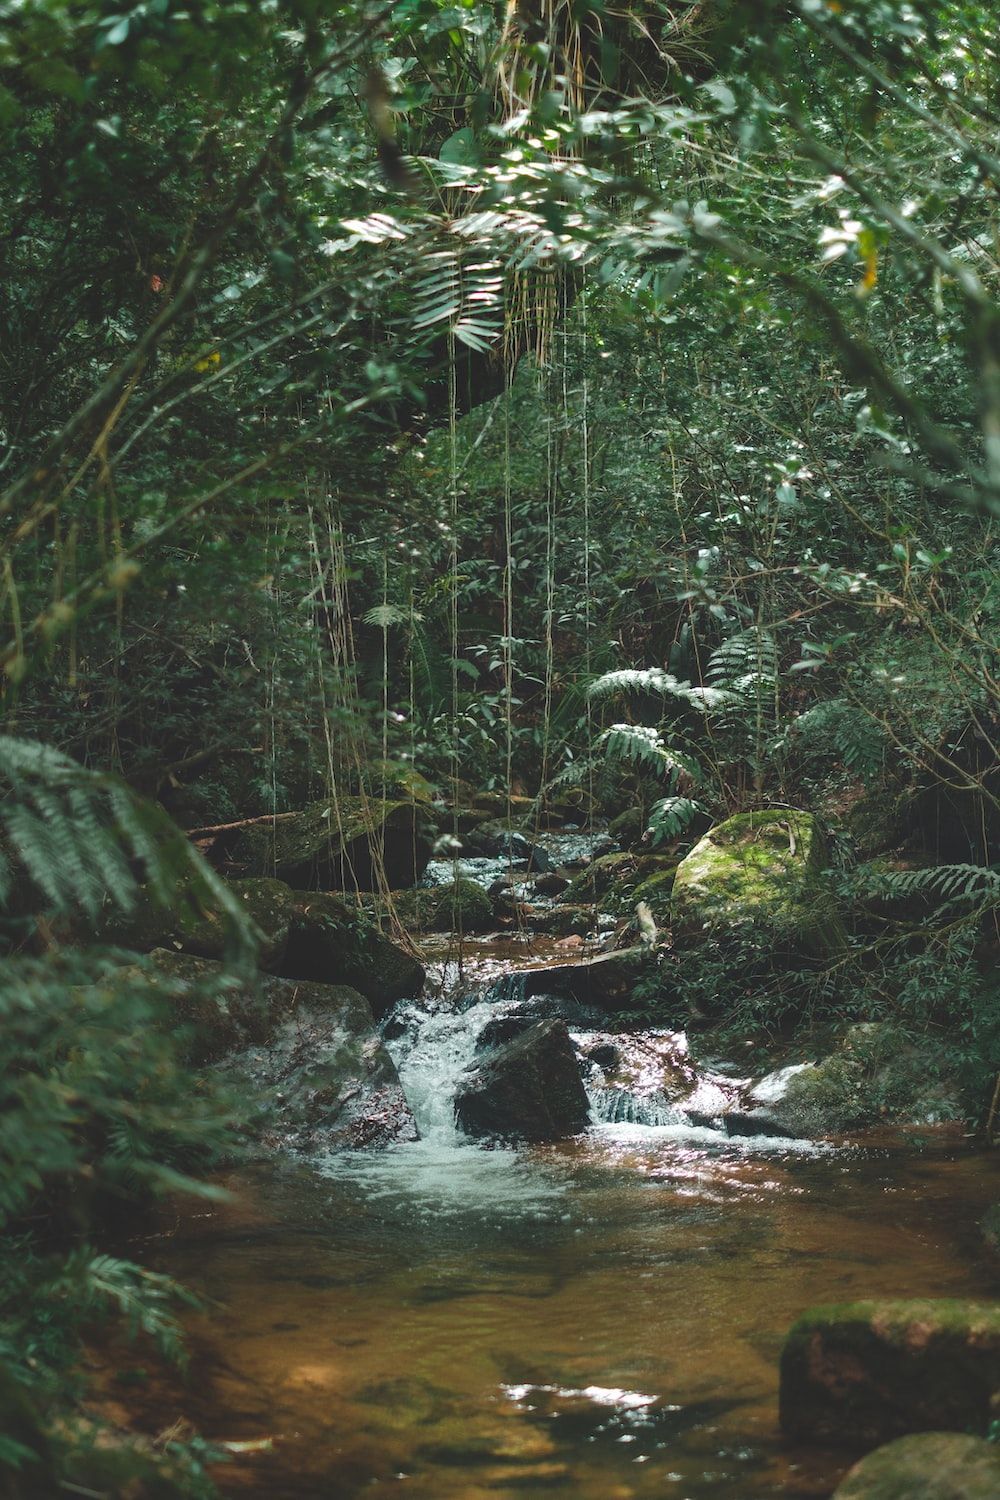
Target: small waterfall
x=433 y=1048
x=620 y=1107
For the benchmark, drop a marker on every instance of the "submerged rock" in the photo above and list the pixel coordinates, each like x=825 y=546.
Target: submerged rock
x=529 y=1089
x=333 y=942
x=760 y=874
x=861 y=1373
x=926 y=1466
x=334 y=845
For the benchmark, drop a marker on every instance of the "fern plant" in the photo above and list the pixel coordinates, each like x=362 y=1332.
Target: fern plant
x=734 y=706
x=99 y=1113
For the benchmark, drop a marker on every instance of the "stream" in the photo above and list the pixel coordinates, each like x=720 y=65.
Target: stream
x=599 y=1318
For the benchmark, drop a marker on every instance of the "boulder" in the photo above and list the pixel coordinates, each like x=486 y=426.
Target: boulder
x=759 y=876
x=333 y=942
x=926 y=1466
x=628 y=827
x=528 y=1090
x=564 y=921
x=606 y=982
x=310 y=1050
x=324 y=1076
x=332 y=845
x=191 y=925
x=876 y=1075
x=461 y=906
x=858 y=1374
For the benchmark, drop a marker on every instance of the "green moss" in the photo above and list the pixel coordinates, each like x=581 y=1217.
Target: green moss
x=329 y=845
x=876 y=1075
x=462 y=906
x=763 y=870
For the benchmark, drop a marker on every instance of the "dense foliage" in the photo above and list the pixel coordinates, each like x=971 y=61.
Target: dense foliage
x=549 y=398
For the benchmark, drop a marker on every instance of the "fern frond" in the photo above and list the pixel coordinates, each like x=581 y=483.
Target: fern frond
x=643 y=747
x=745 y=662
x=649 y=680
x=84 y=838
x=669 y=817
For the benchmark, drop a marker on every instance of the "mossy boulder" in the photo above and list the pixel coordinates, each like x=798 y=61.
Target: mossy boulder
x=628 y=827
x=875 y=1075
x=461 y=906
x=657 y=892
x=565 y=921
x=858 y=1374
x=759 y=877
x=197 y=928
x=605 y=874
x=614 y=880
x=926 y=1466
x=331 y=941
x=336 y=844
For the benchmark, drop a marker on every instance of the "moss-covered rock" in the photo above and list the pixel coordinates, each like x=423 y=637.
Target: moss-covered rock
x=876 y=1075
x=657 y=891
x=628 y=827
x=199 y=929
x=857 y=1374
x=614 y=880
x=331 y=941
x=565 y=921
x=926 y=1466
x=335 y=845
x=760 y=874
x=461 y=906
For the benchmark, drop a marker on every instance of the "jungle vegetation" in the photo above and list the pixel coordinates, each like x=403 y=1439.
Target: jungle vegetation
x=550 y=398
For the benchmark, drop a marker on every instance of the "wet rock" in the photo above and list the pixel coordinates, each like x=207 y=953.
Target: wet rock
x=324 y=1074
x=926 y=1466
x=753 y=1122
x=504 y=1028
x=496 y=840
x=760 y=874
x=865 y=1372
x=565 y=921
x=645 y=1077
x=550 y=884
x=333 y=942
x=333 y=845
x=528 y=1090
x=606 y=982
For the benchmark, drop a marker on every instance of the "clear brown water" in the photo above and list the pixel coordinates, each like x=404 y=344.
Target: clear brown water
x=600 y=1319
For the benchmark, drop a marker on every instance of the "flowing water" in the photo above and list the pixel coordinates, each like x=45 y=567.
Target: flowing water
x=600 y=1318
